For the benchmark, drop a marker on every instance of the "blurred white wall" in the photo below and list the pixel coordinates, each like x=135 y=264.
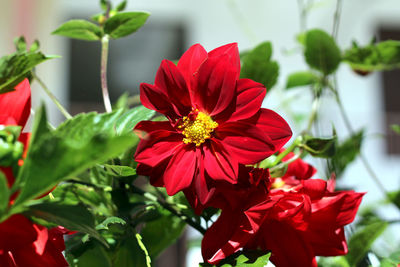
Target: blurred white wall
x=213 y=23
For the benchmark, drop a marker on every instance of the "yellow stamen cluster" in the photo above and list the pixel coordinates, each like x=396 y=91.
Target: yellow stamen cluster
x=277 y=183
x=198 y=130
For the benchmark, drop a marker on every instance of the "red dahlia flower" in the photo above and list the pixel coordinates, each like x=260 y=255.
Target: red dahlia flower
x=215 y=122
x=23 y=243
x=296 y=223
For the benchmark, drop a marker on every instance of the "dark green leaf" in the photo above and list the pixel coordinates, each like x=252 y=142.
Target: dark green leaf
x=72 y=217
x=110 y=220
x=4 y=193
x=74 y=146
x=130 y=254
x=15 y=67
x=20 y=44
x=129 y=119
x=79 y=29
x=346 y=152
x=321 y=51
x=258 y=66
x=301 y=78
x=395 y=128
x=320 y=147
x=374 y=57
x=123 y=24
x=95 y=256
x=159 y=234
x=105 y=4
x=246 y=258
x=394 y=196
x=361 y=241
x=121 y=6
x=119 y=171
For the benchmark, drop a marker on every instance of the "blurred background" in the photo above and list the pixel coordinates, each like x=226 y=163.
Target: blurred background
x=372 y=102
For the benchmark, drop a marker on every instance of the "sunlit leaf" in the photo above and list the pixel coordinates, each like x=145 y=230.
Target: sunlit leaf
x=123 y=24
x=79 y=29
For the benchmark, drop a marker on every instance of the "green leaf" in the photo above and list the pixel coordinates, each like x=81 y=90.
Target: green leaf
x=77 y=144
x=95 y=256
x=395 y=128
x=380 y=56
x=129 y=119
x=394 y=196
x=158 y=237
x=20 y=44
x=130 y=254
x=4 y=193
x=123 y=24
x=34 y=46
x=246 y=258
x=110 y=220
x=104 y=4
x=339 y=261
x=258 y=66
x=320 y=147
x=120 y=171
x=79 y=29
x=301 y=78
x=321 y=51
x=72 y=217
x=346 y=152
x=121 y=6
x=361 y=241
x=16 y=67
x=142 y=246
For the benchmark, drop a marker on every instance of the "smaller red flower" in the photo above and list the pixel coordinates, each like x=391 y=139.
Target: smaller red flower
x=295 y=221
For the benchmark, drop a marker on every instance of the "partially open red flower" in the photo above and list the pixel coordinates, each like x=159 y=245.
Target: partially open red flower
x=215 y=122
x=296 y=223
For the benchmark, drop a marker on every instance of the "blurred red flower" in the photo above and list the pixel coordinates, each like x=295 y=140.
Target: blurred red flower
x=296 y=220
x=215 y=122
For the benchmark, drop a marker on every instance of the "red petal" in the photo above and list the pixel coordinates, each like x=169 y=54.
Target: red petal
x=191 y=61
x=274 y=126
x=16 y=231
x=157 y=144
x=155 y=98
x=245 y=142
x=16 y=105
x=314 y=188
x=232 y=51
x=298 y=168
x=327 y=241
x=249 y=99
x=215 y=87
x=171 y=81
x=218 y=164
x=180 y=170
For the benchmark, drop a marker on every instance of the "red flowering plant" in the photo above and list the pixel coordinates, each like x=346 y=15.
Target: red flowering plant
x=126 y=182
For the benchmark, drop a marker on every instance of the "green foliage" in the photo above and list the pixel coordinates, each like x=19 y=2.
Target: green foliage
x=110 y=220
x=80 y=29
x=395 y=128
x=95 y=256
x=374 y=56
x=361 y=241
x=394 y=196
x=74 y=146
x=130 y=253
x=321 y=51
x=301 y=78
x=258 y=66
x=119 y=171
x=161 y=233
x=320 y=147
x=16 y=67
x=72 y=217
x=121 y=6
x=127 y=121
x=346 y=152
x=339 y=261
x=10 y=148
x=123 y=24
x=247 y=258
x=4 y=194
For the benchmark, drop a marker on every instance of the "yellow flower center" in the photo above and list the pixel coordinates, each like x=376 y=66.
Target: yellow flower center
x=277 y=183
x=197 y=127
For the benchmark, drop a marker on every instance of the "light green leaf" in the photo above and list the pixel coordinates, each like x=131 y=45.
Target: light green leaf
x=129 y=119
x=110 y=220
x=121 y=6
x=321 y=51
x=77 y=144
x=246 y=258
x=72 y=217
x=79 y=29
x=395 y=128
x=120 y=171
x=20 y=44
x=258 y=66
x=123 y=24
x=301 y=78
x=142 y=246
x=361 y=241
x=4 y=193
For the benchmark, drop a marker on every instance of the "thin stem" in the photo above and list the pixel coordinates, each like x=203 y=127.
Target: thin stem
x=242 y=21
x=169 y=207
x=303 y=15
x=103 y=72
x=289 y=149
x=336 y=19
x=314 y=113
x=349 y=127
x=52 y=97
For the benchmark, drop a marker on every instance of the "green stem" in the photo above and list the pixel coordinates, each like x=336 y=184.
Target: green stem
x=336 y=19
x=287 y=150
x=103 y=72
x=314 y=113
x=51 y=96
x=170 y=208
